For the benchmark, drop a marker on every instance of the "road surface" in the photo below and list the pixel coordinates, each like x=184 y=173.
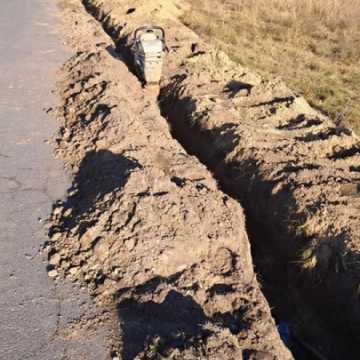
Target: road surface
x=36 y=316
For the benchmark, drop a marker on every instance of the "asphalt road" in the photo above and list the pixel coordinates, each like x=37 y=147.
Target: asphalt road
x=34 y=312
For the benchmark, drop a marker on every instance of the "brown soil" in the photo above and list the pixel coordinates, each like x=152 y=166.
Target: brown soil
x=296 y=174
x=144 y=225
x=293 y=170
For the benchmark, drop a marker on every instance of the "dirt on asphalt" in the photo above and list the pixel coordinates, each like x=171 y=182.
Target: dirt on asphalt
x=146 y=226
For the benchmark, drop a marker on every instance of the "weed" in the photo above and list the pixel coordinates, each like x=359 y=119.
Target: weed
x=312 y=44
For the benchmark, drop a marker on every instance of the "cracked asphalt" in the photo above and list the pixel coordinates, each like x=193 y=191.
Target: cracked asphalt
x=35 y=313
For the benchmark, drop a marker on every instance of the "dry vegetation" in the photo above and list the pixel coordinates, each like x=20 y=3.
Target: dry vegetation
x=314 y=45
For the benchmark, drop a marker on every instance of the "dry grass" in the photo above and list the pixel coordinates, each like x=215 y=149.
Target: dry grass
x=314 y=45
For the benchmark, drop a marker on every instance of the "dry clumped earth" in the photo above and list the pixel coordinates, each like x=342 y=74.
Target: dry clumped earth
x=295 y=171
x=144 y=225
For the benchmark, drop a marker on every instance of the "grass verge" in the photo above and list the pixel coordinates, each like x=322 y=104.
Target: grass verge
x=314 y=45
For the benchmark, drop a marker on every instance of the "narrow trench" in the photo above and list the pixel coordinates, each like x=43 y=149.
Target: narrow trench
x=292 y=299
x=274 y=284
x=270 y=261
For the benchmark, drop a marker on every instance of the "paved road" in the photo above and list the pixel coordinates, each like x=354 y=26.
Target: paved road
x=33 y=311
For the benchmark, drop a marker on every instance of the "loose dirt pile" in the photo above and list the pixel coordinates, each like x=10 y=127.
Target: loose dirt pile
x=295 y=172
x=144 y=225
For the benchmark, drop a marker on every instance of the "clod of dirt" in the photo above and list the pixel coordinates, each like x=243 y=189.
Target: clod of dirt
x=144 y=225
x=52 y=273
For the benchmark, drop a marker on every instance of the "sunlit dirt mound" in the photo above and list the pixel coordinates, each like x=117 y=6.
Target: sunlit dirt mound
x=144 y=225
x=294 y=171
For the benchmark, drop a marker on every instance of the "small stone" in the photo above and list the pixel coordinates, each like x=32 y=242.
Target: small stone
x=67 y=134
x=73 y=271
x=101 y=249
x=86 y=240
x=224 y=261
x=56 y=236
x=65 y=264
x=130 y=244
x=67 y=212
x=57 y=211
x=55 y=259
x=243 y=93
x=52 y=274
x=116 y=272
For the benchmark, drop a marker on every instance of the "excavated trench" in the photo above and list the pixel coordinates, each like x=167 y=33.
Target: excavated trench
x=272 y=252
x=137 y=205
x=293 y=299
x=310 y=307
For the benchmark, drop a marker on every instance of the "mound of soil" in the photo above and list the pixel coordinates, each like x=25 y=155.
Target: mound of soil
x=294 y=171
x=144 y=225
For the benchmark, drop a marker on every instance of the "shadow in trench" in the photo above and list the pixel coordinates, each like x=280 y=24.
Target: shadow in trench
x=294 y=297
x=122 y=51
x=122 y=43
